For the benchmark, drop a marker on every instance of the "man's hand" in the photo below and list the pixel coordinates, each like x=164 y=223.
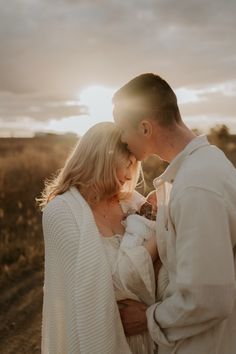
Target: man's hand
x=133 y=316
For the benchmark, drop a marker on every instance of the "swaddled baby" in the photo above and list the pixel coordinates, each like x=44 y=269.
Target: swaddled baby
x=141 y=226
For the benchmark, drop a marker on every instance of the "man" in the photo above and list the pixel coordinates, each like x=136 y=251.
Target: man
x=196 y=225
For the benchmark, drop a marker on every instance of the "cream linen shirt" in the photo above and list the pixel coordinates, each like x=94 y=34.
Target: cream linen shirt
x=196 y=237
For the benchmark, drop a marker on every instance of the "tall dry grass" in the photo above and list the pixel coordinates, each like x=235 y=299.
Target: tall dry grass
x=24 y=165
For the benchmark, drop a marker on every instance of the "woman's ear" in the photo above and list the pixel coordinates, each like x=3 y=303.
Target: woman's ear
x=145 y=128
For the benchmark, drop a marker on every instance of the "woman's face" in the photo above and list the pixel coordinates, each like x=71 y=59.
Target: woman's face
x=126 y=169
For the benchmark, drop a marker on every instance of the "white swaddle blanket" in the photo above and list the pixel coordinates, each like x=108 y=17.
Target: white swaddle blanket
x=137 y=230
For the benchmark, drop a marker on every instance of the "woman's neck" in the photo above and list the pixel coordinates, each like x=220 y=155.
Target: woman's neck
x=108 y=201
x=108 y=216
x=91 y=198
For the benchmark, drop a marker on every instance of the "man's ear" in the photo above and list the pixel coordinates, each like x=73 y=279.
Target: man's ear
x=145 y=128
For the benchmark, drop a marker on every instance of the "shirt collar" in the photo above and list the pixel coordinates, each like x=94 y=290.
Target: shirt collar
x=173 y=168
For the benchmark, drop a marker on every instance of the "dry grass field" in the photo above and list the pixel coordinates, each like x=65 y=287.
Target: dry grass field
x=24 y=165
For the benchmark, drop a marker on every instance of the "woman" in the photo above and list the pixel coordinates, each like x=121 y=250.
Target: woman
x=83 y=209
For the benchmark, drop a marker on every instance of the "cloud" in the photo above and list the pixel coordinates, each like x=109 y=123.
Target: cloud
x=73 y=43
x=214 y=104
x=37 y=107
x=217 y=100
x=61 y=47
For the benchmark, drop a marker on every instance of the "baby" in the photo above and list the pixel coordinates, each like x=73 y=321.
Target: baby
x=141 y=225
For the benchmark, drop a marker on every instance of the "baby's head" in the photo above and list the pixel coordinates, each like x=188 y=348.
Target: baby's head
x=152 y=199
x=149 y=208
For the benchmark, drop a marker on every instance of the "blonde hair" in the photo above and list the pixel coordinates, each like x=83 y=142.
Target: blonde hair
x=92 y=167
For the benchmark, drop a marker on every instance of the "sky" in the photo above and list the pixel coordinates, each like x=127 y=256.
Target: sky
x=62 y=60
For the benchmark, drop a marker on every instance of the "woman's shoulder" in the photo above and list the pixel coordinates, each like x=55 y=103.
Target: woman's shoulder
x=56 y=203
x=64 y=200
x=61 y=205
x=67 y=207
x=55 y=211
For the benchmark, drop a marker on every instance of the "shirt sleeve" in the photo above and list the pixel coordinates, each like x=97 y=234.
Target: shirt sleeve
x=205 y=280
x=61 y=250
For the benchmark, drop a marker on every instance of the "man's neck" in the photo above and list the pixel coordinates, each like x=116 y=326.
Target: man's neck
x=173 y=140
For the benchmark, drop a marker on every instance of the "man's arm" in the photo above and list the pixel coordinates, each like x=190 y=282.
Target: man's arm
x=205 y=284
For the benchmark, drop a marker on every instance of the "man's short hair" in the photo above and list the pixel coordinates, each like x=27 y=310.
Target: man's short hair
x=147 y=96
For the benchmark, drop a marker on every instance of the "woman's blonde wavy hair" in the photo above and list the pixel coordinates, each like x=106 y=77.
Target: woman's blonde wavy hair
x=92 y=167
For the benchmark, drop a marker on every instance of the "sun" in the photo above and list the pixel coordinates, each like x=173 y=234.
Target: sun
x=98 y=99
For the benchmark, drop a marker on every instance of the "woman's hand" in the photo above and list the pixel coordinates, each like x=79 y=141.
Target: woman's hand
x=151 y=246
x=133 y=316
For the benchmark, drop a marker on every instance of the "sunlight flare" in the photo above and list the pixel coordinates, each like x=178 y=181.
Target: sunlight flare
x=98 y=99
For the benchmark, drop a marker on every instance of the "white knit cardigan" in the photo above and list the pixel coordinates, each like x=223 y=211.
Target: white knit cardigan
x=80 y=314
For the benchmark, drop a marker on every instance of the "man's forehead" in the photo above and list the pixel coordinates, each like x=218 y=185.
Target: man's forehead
x=119 y=117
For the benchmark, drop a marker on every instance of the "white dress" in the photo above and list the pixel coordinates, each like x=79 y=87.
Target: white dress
x=133 y=278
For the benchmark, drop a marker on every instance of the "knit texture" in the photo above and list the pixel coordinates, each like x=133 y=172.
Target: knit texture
x=80 y=314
